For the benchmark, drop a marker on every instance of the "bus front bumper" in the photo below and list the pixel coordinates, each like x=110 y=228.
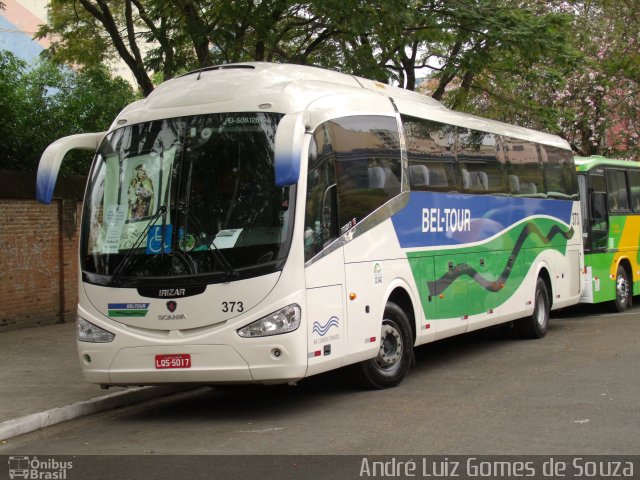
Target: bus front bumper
x=207 y=364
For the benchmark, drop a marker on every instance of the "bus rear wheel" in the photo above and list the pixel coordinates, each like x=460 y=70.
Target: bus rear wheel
x=537 y=324
x=395 y=355
x=623 y=290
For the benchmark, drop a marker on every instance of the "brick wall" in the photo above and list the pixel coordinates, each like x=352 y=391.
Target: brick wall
x=38 y=262
x=38 y=258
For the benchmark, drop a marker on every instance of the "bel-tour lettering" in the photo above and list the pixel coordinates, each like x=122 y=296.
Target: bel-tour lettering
x=446 y=220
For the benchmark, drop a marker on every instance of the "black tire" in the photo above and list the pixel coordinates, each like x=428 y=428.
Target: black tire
x=392 y=363
x=537 y=324
x=623 y=290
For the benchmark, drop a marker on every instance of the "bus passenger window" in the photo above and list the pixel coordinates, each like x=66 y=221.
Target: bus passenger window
x=523 y=167
x=482 y=161
x=431 y=157
x=617 y=190
x=368 y=168
x=559 y=172
x=634 y=184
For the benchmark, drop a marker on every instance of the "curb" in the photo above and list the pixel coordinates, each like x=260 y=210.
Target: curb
x=36 y=421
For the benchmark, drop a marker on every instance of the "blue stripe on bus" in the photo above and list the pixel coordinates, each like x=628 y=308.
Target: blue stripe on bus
x=433 y=219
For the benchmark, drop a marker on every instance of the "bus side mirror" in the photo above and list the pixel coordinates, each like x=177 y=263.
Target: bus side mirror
x=52 y=157
x=288 y=148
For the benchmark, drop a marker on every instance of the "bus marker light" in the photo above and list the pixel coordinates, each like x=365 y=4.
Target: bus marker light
x=352 y=296
x=442 y=295
x=427 y=326
x=370 y=340
x=466 y=317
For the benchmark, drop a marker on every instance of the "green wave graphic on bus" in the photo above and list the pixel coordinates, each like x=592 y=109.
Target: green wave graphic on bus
x=476 y=279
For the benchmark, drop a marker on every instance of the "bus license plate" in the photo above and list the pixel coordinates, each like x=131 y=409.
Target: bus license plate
x=173 y=360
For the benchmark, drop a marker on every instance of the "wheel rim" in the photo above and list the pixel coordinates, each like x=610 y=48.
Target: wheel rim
x=391 y=347
x=622 y=289
x=541 y=309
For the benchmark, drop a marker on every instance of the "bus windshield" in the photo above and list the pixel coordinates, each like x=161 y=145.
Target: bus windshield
x=186 y=197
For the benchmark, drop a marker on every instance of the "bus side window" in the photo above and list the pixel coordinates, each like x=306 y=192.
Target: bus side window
x=430 y=146
x=599 y=223
x=525 y=177
x=482 y=161
x=617 y=190
x=634 y=184
x=560 y=176
x=368 y=167
x=320 y=221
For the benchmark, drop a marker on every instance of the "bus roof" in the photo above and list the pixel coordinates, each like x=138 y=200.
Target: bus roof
x=284 y=88
x=584 y=164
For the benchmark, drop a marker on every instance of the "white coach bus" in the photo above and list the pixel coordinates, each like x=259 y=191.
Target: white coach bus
x=264 y=223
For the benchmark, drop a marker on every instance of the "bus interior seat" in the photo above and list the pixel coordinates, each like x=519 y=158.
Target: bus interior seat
x=514 y=184
x=466 y=178
x=391 y=182
x=419 y=175
x=438 y=177
x=528 y=188
x=483 y=181
x=475 y=180
x=376 y=177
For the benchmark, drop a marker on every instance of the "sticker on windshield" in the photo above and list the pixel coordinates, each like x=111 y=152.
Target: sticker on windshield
x=154 y=239
x=115 y=217
x=187 y=242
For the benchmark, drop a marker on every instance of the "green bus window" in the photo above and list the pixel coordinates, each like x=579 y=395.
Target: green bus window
x=617 y=195
x=634 y=185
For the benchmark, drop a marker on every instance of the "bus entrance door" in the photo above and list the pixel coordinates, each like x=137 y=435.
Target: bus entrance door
x=326 y=321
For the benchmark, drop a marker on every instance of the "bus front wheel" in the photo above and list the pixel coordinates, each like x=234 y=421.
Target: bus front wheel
x=537 y=324
x=622 y=290
x=395 y=355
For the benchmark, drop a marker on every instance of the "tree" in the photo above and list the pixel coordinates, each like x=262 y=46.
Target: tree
x=47 y=102
x=14 y=106
x=588 y=95
x=564 y=66
x=602 y=99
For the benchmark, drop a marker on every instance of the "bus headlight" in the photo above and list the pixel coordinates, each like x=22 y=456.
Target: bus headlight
x=285 y=320
x=88 y=332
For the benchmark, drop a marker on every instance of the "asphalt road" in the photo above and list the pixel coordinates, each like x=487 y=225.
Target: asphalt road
x=574 y=392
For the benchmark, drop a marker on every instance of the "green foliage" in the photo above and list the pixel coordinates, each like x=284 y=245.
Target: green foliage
x=46 y=102
x=564 y=66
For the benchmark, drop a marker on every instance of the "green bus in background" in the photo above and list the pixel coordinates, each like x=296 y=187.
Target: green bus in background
x=610 y=194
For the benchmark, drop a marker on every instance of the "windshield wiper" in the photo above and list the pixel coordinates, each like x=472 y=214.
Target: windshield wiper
x=186 y=207
x=162 y=212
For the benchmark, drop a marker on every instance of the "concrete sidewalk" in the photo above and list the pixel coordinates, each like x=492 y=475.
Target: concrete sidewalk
x=41 y=382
